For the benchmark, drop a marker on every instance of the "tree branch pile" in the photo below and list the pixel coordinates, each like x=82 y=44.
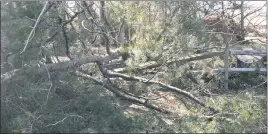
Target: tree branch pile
x=118 y=93
x=18 y=74
x=104 y=63
x=165 y=86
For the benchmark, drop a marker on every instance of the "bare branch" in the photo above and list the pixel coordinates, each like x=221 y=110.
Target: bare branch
x=171 y=88
x=73 y=17
x=49 y=86
x=256 y=10
x=153 y=64
x=113 y=89
x=33 y=30
x=56 y=122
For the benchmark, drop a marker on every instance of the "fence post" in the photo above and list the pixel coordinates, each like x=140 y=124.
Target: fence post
x=226 y=66
x=226 y=59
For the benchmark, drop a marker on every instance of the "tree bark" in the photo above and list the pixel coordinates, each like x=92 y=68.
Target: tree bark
x=242 y=21
x=104 y=38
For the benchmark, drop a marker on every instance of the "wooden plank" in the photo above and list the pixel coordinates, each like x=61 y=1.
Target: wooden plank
x=248 y=52
x=233 y=70
x=242 y=70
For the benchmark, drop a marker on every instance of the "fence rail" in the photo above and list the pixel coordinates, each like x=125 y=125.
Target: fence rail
x=242 y=70
x=248 y=52
x=241 y=52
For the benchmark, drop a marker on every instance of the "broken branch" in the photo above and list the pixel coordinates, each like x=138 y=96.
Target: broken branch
x=114 y=90
x=171 y=88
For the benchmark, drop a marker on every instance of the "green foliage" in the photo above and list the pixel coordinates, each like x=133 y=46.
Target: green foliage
x=245 y=113
x=238 y=115
x=62 y=102
x=18 y=20
x=195 y=125
x=81 y=106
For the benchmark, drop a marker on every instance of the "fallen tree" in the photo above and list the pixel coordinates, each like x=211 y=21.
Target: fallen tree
x=76 y=63
x=18 y=74
x=153 y=64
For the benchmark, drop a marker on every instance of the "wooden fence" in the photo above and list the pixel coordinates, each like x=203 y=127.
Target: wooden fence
x=260 y=53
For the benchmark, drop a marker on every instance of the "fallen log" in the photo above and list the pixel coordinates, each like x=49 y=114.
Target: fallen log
x=18 y=74
x=153 y=64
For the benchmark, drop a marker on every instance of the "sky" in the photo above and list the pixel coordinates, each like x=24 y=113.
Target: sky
x=261 y=18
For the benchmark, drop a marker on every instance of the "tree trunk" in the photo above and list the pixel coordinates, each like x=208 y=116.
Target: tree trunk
x=104 y=37
x=242 y=21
